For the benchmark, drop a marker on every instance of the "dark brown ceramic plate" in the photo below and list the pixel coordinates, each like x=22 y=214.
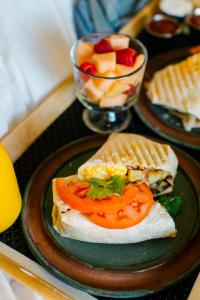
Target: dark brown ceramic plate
x=130 y=270
x=158 y=118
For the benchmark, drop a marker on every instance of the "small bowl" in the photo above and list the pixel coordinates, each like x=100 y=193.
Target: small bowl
x=195 y=16
x=175 y=8
x=158 y=18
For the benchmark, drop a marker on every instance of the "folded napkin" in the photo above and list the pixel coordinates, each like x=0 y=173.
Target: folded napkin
x=35 y=38
x=104 y=15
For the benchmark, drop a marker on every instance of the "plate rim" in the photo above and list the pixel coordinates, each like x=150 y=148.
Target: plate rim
x=146 y=113
x=90 y=289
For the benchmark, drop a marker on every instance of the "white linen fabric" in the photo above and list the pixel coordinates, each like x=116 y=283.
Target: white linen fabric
x=35 y=41
x=14 y=290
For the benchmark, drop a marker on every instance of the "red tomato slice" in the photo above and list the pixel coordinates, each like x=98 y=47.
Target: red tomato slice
x=113 y=212
x=70 y=194
x=131 y=215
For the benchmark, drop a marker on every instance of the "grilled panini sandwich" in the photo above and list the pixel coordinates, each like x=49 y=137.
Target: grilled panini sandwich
x=177 y=87
x=111 y=199
x=136 y=157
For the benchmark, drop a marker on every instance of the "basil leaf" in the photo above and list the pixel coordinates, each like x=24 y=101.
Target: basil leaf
x=118 y=183
x=99 y=193
x=99 y=182
x=172 y=204
x=103 y=188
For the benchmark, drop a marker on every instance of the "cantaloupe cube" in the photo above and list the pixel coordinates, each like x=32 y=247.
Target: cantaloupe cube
x=132 y=79
x=92 y=91
x=138 y=62
x=119 y=41
x=105 y=62
x=123 y=70
x=113 y=101
x=105 y=84
x=117 y=89
x=107 y=74
x=84 y=52
x=138 y=77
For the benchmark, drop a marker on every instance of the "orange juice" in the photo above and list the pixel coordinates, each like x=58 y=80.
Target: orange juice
x=10 y=198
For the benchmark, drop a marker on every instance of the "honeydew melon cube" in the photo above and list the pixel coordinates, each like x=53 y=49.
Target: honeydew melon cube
x=105 y=84
x=118 y=42
x=84 y=52
x=92 y=91
x=105 y=62
x=113 y=101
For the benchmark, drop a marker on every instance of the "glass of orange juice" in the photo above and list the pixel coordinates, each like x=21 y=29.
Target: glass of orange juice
x=10 y=198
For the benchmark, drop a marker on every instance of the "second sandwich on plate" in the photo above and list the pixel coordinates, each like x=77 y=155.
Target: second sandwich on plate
x=112 y=198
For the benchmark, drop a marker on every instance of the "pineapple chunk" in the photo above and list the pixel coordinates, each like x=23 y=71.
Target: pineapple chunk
x=113 y=101
x=105 y=62
x=92 y=91
x=118 y=41
x=84 y=52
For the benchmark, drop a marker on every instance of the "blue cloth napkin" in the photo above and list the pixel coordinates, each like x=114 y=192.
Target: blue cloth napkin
x=104 y=15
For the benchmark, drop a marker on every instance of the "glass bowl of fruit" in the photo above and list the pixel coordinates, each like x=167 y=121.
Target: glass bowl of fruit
x=108 y=70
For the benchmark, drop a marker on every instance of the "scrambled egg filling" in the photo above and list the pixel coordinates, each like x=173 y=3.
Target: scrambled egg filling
x=158 y=180
x=102 y=172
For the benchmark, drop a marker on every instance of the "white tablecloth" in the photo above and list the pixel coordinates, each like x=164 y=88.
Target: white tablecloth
x=35 y=38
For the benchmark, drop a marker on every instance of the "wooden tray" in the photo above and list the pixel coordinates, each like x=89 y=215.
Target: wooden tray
x=18 y=139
